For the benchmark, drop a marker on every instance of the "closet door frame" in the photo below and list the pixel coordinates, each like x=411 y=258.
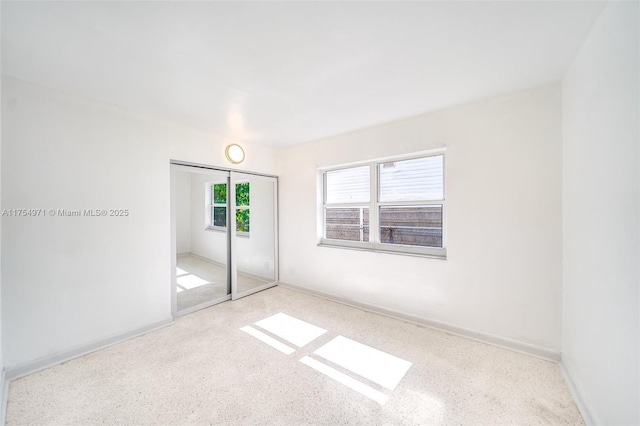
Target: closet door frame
x=177 y=165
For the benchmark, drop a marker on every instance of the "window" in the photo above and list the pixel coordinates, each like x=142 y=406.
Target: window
x=217 y=193
x=219 y=205
x=391 y=205
x=347 y=204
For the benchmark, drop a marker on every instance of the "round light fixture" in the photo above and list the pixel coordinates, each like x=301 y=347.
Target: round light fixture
x=234 y=153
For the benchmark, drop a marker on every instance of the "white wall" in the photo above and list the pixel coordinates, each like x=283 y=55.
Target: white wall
x=503 y=189
x=601 y=218
x=71 y=281
x=183 y=211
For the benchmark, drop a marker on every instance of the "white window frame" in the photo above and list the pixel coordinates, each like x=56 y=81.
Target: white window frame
x=210 y=204
x=374 y=243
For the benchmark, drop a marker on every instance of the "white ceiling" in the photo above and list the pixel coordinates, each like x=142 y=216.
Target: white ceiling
x=285 y=73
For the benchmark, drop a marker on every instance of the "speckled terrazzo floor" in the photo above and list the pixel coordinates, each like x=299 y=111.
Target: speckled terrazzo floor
x=204 y=370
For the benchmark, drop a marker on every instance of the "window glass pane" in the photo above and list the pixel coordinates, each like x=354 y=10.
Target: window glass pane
x=219 y=195
x=414 y=225
x=348 y=185
x=220 y=216
x=242 y=194
x=242 y=220
x=351 y=224
x=412 y=180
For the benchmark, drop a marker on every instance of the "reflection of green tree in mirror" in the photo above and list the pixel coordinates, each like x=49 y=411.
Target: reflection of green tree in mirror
x=242 y=194
x=219 y=193
x=242 y=199
x=242 y=220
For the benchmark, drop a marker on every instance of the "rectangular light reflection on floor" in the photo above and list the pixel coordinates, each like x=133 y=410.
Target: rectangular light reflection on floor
x=180 y=272
x=350 y=382
x=268 y=340
x=372 y=364
x=291 y=329
x=190 y=281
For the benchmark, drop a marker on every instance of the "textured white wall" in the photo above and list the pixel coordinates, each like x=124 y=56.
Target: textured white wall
x=503 y=189
x=69 y=282
x=601 y=218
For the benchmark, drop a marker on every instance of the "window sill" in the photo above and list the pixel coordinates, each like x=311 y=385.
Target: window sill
x=224 y=231
x=215 y=229
x=383 y=251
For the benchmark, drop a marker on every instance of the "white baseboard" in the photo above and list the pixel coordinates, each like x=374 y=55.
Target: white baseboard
x=204 y=259
x=525 y=348
x=223 y=265
x=34 y=366
x=575 y=390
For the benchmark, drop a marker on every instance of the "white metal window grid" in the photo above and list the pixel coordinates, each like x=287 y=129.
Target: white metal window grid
x=211 y=204
x=374 y=205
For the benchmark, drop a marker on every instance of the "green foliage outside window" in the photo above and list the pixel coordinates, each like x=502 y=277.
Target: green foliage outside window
x=242 y=199
x=220 y=193
x=242 y=220
x=242 y=194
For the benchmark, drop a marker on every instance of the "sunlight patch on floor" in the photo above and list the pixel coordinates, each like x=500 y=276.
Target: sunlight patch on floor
x=268 y=340
x=293 y=330
x=190 y=281
x=356 y=359
x=350 y=382
x=372 y=364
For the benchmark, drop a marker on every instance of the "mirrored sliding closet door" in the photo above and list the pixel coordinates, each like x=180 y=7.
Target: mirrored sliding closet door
x=224 y=227
x=254 y=266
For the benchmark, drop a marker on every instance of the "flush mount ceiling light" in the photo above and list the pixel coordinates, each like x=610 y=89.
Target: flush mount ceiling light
x=234 y=153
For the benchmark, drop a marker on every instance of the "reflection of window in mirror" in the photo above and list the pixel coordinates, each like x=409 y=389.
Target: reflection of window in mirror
x=242 y=214
x=217 y=197
x=218 y=205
